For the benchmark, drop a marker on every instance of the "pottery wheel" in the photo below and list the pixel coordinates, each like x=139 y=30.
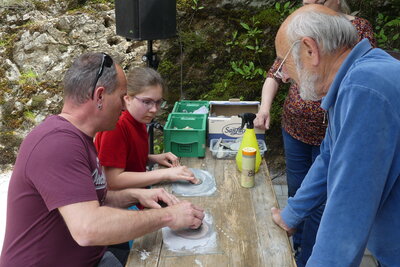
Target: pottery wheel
x=194 y=233
x=205 y=187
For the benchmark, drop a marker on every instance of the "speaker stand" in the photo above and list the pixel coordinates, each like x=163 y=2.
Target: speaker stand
x=152 y=62
x=150 y=57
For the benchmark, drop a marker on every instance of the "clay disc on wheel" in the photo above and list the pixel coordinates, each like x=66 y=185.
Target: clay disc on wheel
x=194 y=233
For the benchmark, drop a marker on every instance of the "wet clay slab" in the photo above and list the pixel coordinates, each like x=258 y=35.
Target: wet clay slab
x=198 y=233
x=198 y=241
x=206 y=187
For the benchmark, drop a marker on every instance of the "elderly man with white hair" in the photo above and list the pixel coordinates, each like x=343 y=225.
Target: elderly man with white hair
x=357 y=172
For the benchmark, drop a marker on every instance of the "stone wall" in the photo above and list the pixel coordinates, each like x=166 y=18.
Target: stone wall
x=38 y=43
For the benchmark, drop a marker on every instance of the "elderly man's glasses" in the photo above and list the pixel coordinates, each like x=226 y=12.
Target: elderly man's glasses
x=278 y=73
x=150 y=103
x=105 y=62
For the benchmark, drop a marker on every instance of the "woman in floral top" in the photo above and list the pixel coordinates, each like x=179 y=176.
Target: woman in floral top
x=303 y=128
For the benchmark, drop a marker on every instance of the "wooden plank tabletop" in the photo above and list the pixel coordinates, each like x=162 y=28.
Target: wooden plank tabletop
x=246 y=234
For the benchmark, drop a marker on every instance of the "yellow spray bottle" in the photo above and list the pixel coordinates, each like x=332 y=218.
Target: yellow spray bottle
x=249 y=140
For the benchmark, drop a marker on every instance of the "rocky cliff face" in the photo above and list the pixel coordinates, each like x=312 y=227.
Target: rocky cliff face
x=39 y=40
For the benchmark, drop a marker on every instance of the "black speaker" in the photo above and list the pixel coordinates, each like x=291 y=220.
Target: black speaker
x=146 y=19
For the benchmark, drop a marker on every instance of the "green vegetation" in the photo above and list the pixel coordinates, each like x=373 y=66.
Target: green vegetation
x=10 y=143
x=101 y=1
x=29 y=115
x=225 y=58
x=249 y=40
x=219 y=53
x=387 y=32
x=40 y=5
x=158 y=145
x=22 y=117
x=385 y=19
x=88 y=6
x=229 y=56
x=285 y=9
x=28 y=77
x=247 y=71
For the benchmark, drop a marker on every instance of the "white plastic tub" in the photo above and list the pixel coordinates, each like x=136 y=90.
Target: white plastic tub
x=219 y=147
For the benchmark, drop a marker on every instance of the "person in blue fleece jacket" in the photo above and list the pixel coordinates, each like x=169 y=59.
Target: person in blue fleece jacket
x=357 y=172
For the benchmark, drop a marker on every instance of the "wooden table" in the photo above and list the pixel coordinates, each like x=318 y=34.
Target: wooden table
x=239 y=213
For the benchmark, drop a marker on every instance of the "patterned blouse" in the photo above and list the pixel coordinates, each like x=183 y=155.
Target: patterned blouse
x=305 y=120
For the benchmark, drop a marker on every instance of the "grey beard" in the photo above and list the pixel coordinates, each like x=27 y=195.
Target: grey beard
x=307 y=83
x=308 y=94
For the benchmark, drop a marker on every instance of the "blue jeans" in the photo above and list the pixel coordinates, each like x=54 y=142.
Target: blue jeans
x=299 y=158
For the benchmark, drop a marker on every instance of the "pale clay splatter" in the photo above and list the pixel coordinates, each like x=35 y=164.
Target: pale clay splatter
x=144 y=254
x=198 y=263
x=222 y=231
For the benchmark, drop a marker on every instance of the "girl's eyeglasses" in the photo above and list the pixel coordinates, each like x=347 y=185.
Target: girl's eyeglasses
x=150 y=103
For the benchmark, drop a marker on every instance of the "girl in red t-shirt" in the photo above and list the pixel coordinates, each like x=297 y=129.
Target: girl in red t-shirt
x=124 y=151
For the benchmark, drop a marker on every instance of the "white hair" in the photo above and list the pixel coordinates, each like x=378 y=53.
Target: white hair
x=331 y=32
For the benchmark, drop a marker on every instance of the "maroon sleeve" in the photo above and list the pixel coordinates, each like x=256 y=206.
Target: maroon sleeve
x=60 y=169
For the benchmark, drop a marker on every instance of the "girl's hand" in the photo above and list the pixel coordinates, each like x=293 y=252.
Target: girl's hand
x=166 y=159
x=181 y=173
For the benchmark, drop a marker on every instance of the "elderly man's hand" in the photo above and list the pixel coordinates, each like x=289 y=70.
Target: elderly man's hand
x=277 y=218
x=150 y=198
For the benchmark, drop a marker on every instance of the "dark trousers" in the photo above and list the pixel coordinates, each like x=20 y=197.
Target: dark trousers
x=115 y=256
x=299 y=158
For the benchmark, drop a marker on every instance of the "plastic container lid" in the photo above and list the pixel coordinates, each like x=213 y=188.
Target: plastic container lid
x=249 y=151
x=228 y=152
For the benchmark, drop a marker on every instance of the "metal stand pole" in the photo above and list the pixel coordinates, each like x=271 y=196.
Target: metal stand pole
x=152 y=62
x=151 y=58
x=150 y=129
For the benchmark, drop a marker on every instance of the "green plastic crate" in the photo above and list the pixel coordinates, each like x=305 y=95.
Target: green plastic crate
x=185 y=142
x=188 y=106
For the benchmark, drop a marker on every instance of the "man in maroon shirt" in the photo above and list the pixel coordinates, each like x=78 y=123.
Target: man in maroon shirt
x=59 y=210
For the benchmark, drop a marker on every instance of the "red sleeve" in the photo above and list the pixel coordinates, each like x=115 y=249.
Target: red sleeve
x=112 y=148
